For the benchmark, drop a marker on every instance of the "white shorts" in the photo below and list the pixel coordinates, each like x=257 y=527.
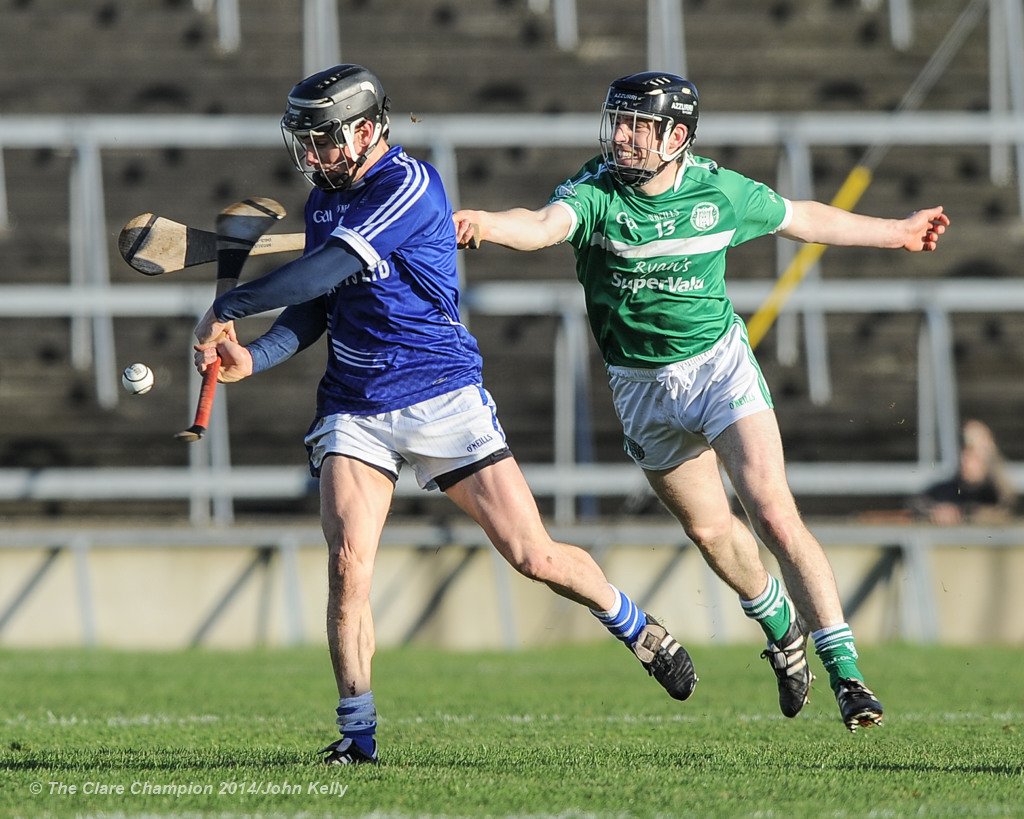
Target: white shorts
x=443 y=436
x=670 y=415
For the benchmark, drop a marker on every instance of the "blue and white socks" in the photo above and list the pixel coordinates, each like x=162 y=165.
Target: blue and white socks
x=625 y=620
x=357 y=720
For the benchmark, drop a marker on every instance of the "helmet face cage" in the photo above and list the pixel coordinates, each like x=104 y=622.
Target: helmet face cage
x=334 y=103
x=664 y=100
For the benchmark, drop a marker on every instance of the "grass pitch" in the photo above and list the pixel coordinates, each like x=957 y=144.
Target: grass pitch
x=575 y=731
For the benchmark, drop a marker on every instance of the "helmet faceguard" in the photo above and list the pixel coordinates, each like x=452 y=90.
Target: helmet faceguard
x=333 y=104
x=664 y=100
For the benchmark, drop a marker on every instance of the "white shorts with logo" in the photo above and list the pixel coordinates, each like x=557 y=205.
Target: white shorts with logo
x=436 y=437
x=670 y=415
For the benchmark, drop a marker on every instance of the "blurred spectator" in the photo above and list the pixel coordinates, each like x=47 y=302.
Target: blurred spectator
x=980 y=492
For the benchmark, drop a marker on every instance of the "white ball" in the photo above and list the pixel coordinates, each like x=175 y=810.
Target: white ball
x=137 y=379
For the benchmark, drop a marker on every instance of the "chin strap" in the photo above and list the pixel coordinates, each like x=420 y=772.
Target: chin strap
x=326 y=183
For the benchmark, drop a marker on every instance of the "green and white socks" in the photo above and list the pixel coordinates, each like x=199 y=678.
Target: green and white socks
x=771 y=609
x=834 y=645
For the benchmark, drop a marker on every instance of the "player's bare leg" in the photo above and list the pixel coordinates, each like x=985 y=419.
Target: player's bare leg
x=694 y=494
x=498 y=498
x=693 y=491
x=751 y=450
x=354 y=503
x=354 y=500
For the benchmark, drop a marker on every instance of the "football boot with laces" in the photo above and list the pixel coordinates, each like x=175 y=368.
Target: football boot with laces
x=345 y=752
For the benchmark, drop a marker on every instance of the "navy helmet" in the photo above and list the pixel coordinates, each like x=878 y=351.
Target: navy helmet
x=333 y=103
x=665 y=99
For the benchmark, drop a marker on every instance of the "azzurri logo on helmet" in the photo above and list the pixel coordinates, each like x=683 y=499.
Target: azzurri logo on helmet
x=332 y=104
x=664 y=99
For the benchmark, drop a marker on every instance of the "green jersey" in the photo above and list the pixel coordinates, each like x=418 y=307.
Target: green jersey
x=653 y=267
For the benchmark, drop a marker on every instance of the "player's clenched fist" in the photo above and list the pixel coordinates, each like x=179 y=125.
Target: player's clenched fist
x=467 y=234
x=926 y=226
x=235 y=359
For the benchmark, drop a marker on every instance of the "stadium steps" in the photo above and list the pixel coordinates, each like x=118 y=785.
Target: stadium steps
x=744 y=55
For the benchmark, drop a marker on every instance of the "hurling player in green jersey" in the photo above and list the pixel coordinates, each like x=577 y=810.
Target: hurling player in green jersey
x=650 y=224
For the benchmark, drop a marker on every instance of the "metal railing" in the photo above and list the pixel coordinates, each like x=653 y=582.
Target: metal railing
x=86 y=137
x=210 y=483
x=321 y=30
x=91 y=302
x=666 y=40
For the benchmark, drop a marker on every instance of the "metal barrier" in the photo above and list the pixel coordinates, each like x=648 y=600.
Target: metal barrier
x=211 y=480
x=87 y=136
x=666 y=41
x=321 y=29
x=91 y=303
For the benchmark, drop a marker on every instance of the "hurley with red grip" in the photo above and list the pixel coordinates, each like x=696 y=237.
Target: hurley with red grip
x=204 y=405
x=239 y=226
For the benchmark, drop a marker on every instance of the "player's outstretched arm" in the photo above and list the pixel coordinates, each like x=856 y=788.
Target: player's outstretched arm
x=828 y=225
x=518 y=228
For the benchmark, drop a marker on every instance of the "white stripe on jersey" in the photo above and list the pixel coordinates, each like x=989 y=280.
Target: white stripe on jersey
x=358 y=236
x=686 y=246
x=567 y=189
x=357 y=358
x=362 y=248
x=412 y=188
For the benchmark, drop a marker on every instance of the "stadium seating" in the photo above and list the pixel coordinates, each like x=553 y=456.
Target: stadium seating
x=496 y=56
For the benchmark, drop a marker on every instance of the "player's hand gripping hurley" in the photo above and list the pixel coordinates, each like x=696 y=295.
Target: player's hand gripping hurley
x=239 y=227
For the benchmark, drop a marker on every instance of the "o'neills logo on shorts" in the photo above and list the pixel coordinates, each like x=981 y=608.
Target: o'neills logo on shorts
x=704 y=216
x=746 y=399
x=479 y=442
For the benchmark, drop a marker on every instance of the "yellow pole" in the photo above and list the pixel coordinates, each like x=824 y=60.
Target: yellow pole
x=860 y=177
x=849 y=194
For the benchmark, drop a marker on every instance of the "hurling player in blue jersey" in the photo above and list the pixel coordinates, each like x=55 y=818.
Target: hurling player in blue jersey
x=403 y=384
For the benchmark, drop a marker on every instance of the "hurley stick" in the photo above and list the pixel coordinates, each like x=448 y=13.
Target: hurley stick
x=155 y=245
x=204 y=406
x=239 y=227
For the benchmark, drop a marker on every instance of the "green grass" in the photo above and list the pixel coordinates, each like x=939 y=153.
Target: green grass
x=576 y=731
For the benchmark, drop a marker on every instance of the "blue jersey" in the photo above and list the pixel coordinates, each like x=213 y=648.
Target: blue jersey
x=394 y=333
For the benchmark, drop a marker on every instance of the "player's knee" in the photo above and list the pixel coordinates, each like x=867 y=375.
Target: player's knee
x=529 y=565
x=532 y=561
x=780 y=527
x=347 y=572
x=710 y=535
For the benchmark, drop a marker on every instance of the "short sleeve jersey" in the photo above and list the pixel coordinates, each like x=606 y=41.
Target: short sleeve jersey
x=653 y=267
x=394 y=330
